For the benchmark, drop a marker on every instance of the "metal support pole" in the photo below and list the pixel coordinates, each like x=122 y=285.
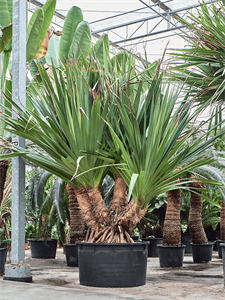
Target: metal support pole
x=18 y=270
x=168 y=19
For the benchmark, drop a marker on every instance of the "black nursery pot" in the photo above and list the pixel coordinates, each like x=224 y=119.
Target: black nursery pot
x=71 y=251
x=43 y=249
x=185 y=240
x=202 y=253
x=112 y=265
x=171 y=256
x=3 y=255
x=223 y=256
x=219 y=248
x=153 y=250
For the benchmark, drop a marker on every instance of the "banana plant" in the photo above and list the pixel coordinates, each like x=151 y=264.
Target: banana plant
x=75 y=42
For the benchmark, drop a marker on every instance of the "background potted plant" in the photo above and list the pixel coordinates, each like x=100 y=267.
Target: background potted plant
x=3 y=249
x=41 y=216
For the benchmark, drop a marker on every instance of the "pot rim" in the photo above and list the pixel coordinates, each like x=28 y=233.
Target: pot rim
x=208 y=244
x=70 y=245
x=152 y=239
x=177 y=246
x=113 y=244
x=39 y=240
x=3 y=248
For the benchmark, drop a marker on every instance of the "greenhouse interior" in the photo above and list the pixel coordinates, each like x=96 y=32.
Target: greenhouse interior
x=112 y=149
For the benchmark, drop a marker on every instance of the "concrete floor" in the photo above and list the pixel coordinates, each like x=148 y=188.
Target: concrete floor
x=53 y=279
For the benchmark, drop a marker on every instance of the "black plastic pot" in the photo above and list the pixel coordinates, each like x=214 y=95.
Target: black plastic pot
x=185 y=240
x=43 y=249
x=171 y=256
x=153 y=250
x=3 y=255
x=222 y=245
x=202 y=253
x=71 y=255
x=219 y=248
x=212 y=236
x=112 y=265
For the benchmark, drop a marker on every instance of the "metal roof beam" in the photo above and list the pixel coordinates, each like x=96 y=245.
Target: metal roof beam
x=173 y=12
x=148 y=34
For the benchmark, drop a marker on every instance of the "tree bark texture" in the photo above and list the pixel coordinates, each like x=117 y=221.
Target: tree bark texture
x=197 y=231
x=77 y=224
x=172 y=227
x=4 y=164
x=109 y=225
x=222 y=221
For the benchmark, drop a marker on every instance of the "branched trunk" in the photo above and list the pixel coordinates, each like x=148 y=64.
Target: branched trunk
x=132 y=216
x=87 y=209
x=222 y=221
x=101 y=210
x=197 y=231
x=172 y=227
x=119 y=201
x=77 y=224
x=105 y=227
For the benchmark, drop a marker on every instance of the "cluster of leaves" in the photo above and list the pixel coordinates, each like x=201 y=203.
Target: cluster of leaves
x=47 y=205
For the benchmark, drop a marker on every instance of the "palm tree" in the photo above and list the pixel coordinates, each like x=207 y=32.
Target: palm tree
x=201 y=65
x=197 y=232
x=171 y=227
x=85 y=132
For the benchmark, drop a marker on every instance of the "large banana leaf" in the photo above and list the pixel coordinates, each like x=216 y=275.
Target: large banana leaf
x=81 y=45
x=33 y=31
x=38 y=26
x=53 y=50
x=73 y=18
x=101 y=49
x=5 y=36
x=5 y=12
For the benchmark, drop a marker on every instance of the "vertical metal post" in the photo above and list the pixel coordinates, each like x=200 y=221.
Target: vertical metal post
x=18 y=270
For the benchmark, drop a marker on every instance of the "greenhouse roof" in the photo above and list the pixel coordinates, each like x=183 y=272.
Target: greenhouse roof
x=136 y=25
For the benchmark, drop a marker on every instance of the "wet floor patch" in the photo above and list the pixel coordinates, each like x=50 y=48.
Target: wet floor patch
x=57 y=282
x=201 y=267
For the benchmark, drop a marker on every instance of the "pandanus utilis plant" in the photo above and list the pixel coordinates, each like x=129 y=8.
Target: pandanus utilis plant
x=113 y=127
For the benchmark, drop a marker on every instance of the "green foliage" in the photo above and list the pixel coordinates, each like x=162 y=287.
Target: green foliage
x=38 y=26
x=30 y=231
x=211 y=210
x=201 y=65
x=3 y=240
x=47 y=205
x=5 y=36
x=73 y=18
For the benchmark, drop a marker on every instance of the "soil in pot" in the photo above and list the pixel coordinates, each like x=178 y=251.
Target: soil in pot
x=3 y=255
x=112 y=265
x=71 y=251
x=153 y=250
x=185 y=240
x=202 y=253
x=171 y=256
x=43 y=249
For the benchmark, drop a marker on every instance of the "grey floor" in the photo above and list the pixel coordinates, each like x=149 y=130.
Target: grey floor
x=53 y=279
